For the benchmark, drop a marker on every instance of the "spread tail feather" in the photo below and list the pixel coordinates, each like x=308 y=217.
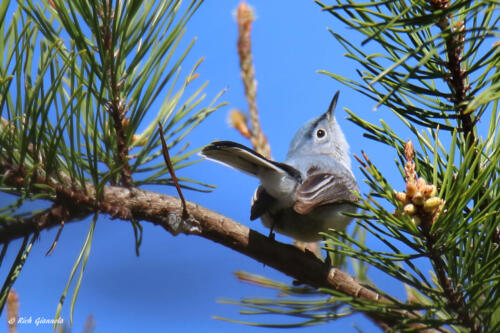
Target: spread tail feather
x=239 y=157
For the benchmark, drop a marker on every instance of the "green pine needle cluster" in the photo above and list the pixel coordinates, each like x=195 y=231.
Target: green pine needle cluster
x=79 y=81
x=435 y=64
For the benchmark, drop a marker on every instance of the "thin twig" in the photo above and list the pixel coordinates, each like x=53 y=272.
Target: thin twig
x=245 y=18
x=168 y=161
x=54 y=243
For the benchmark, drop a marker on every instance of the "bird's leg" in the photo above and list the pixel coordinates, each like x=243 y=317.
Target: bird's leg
x=328 y=259
x=271 y=232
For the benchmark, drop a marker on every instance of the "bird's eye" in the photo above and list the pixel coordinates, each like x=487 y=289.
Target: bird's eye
x=320 y=133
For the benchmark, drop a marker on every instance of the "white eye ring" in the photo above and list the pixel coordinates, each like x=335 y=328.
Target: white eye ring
x=320 y=133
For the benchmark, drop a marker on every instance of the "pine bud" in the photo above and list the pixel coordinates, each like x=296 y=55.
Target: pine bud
x=418 y=199
x=411 y=189
x=238 y=120
x=410 y=164
x=401 y=197
x=416 y=220
x=421 y=184
x=428 y=190
x=432 y=204
x=138 y=140
x=410 y=209
x=409 y=150
x=125 y=122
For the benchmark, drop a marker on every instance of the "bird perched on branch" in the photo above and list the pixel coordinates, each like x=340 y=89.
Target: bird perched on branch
x=310 y=191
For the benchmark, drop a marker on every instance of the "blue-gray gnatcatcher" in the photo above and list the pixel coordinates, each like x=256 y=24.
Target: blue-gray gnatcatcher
x=310 y=191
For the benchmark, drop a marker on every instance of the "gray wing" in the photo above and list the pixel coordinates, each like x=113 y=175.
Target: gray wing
x=325 y=188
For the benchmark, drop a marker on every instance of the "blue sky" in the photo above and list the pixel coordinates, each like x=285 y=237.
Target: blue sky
x=174 y=285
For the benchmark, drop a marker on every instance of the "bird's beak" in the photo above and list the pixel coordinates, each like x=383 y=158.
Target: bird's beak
x=333 y=104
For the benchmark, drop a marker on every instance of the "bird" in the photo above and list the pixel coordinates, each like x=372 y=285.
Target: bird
x=311 y=191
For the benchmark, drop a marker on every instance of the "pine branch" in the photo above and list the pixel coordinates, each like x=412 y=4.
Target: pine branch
x=457 y=79
x=116 y=105
x=454 y=295
x=53 y=216
x=133 y=204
